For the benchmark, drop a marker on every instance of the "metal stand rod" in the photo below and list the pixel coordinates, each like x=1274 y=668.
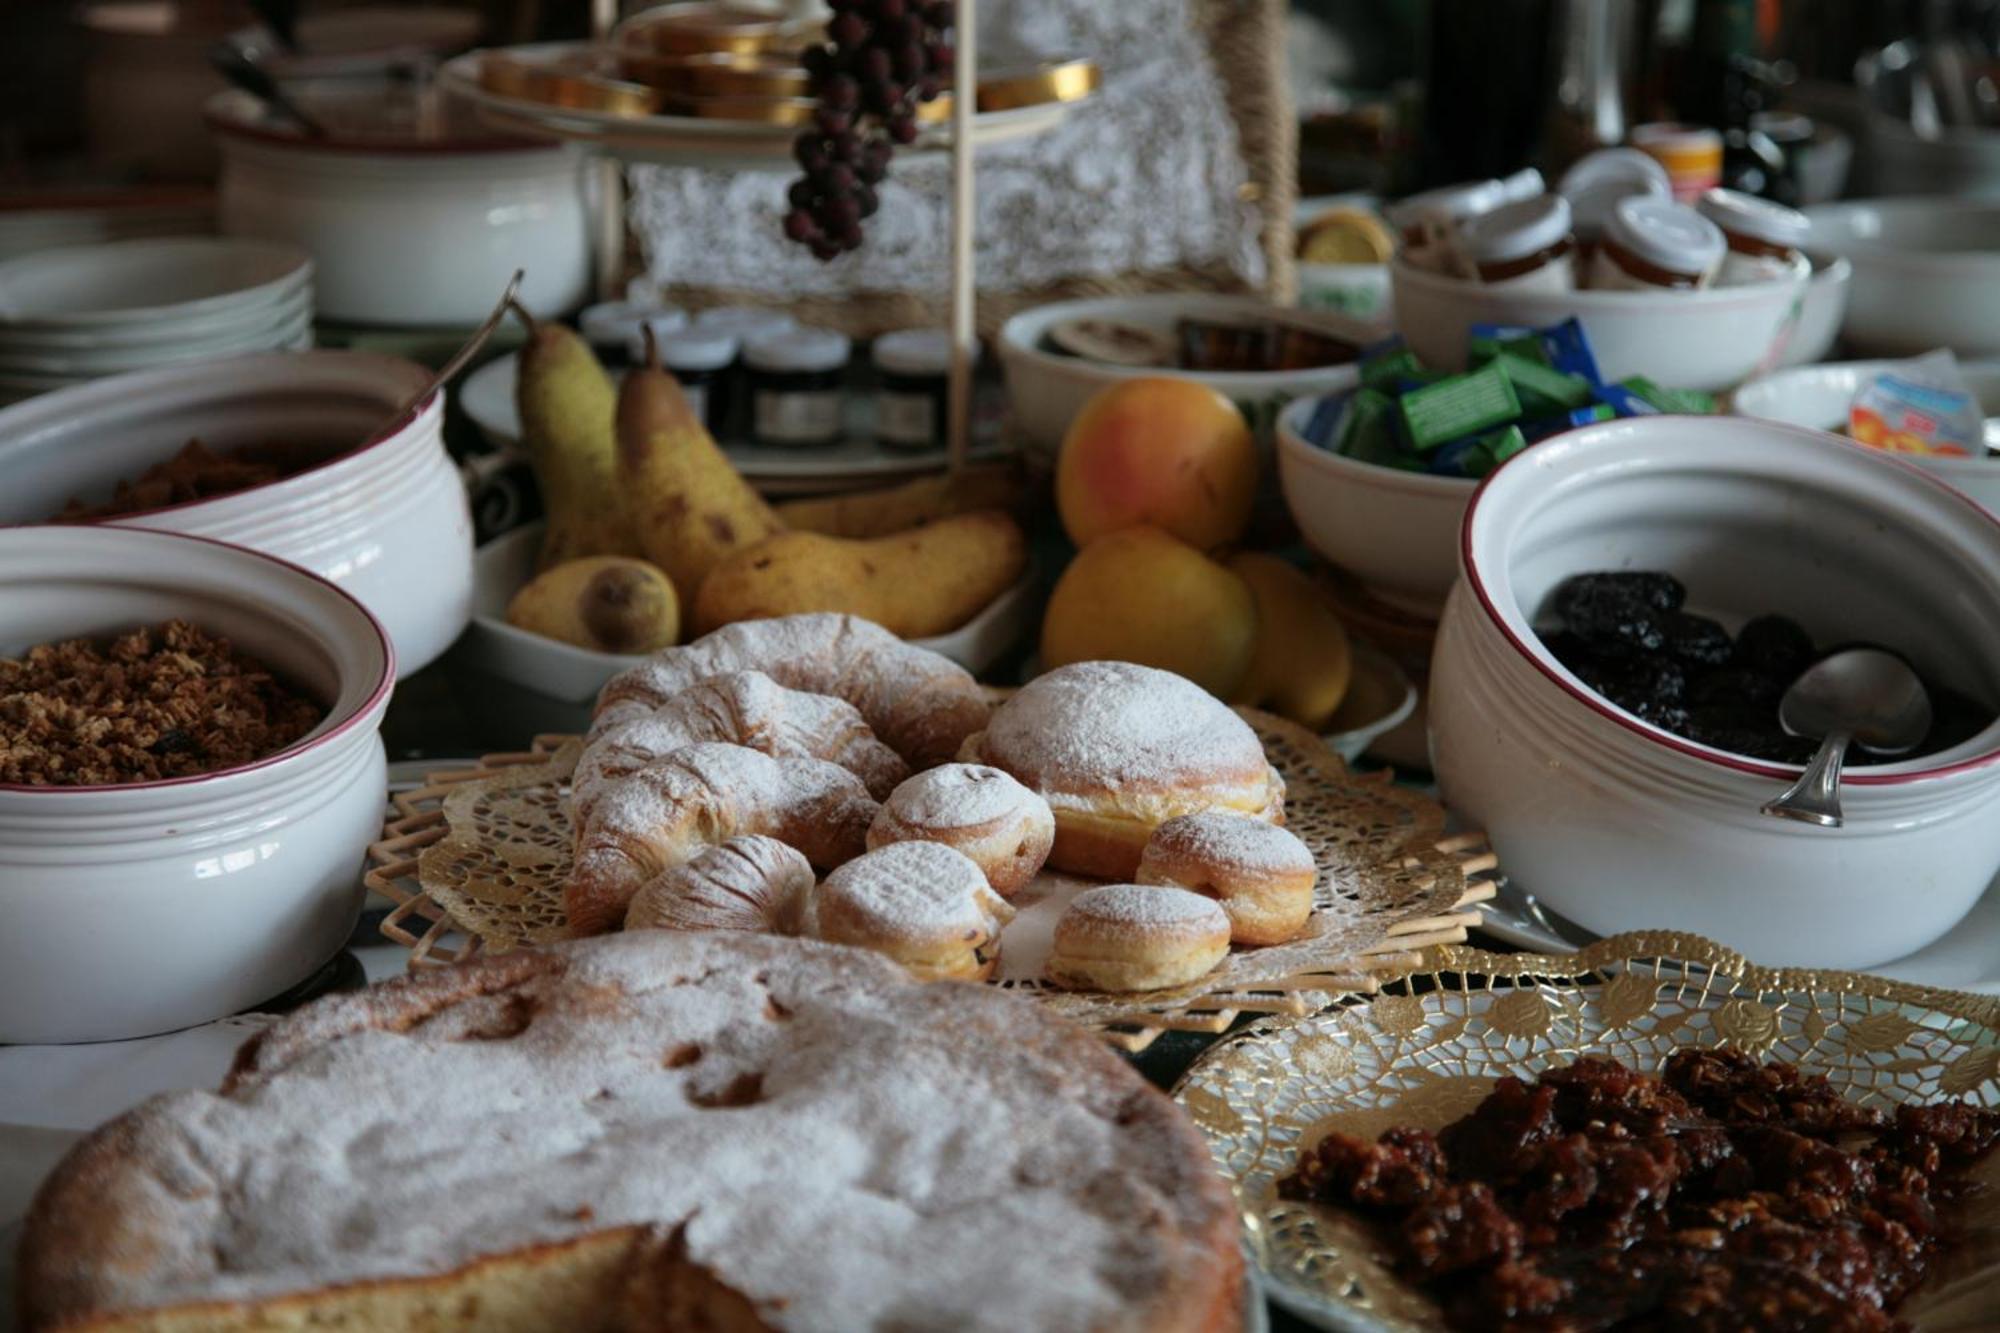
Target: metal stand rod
x=964 y=331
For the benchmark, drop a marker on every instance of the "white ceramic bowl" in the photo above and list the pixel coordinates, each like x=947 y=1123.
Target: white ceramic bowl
x=1710 y=340
x=545 y=685
x=389 y=522
x=1818 y=396
x=410 y=233
x=1926 y=273
x=1395 y=531
x=1048 y=389
x=127 y=910
x=1620 y=825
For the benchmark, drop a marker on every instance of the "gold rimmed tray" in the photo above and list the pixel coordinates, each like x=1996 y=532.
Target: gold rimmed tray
x=1427 y=1048
x=476 y=858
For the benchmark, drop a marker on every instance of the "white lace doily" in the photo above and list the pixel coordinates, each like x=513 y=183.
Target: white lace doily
x=1148 y=175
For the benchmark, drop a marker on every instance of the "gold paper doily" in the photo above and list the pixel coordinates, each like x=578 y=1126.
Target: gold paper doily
x=1425 y=1058
x=484 y=852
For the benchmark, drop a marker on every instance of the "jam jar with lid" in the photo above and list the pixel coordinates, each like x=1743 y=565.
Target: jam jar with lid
x=797 y=393
x=1426 y=223
x=1595 y=184
x=913 y=370
x=1763 y=238
x=1656 y=245
x=701 y=361
x=1522 y=246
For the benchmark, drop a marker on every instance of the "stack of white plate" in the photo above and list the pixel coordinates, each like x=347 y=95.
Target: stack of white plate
x=83 y=312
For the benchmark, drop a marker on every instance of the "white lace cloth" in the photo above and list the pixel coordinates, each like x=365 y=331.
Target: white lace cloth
x=1147 y=175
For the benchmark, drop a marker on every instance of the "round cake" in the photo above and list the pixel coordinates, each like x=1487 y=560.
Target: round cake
x=655 y=1130
x=1117 y=750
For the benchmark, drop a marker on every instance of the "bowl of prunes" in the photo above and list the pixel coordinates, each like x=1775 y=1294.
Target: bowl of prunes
x=1635 y=598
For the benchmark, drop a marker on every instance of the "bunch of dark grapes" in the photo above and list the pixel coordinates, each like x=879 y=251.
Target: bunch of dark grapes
x=881 y=58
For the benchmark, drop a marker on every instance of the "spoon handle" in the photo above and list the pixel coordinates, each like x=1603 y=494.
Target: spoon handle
x=1815 y=797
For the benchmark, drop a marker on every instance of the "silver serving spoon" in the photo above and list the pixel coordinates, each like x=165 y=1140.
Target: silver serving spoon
x=459 y=359
x=1862 y=696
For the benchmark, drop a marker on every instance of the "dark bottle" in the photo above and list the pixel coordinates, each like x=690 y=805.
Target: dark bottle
x=1487 y=87
x=1725 y=83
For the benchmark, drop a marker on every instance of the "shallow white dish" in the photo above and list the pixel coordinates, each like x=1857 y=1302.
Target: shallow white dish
x=1926 y=273
x=1818 y=396
x=146 y=907
x=552 y=686
x=78 y=289
x=1359 y=723
x=487 y=396
x=1619 y=825
x=1395 y=531
x=1047 y=389
x=285 y=325
x=1710 y=340
x=388 y=522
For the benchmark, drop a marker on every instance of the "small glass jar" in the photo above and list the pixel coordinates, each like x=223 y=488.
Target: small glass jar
x=700 y=361
x=913 y=368
x=1522 y=246
x=796 y=386
x=1426 y=223
x=1763 y=238
x=612 y=328
x=1656 y=245
x=1595 y=184
x=746 y=324
x=1691 y=154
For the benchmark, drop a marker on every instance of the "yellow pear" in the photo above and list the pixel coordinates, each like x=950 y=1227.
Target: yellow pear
x=566 y=404
x=1302 y=661
x=1141 y=595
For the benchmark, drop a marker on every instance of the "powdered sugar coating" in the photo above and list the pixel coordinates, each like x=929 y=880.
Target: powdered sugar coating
x=1097 y=728
x=1231 y=843
x=1146 y=908
x=747 y=883
x=848 y=1149
x=959 y=796
x=920 y=703
x=909 y=892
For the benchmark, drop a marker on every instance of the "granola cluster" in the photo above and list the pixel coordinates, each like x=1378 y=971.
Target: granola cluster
x=160 y=702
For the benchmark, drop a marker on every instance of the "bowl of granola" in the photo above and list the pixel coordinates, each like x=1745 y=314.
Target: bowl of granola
x=190 y=775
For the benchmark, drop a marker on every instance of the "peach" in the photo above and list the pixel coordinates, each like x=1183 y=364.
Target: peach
x=1166 y=452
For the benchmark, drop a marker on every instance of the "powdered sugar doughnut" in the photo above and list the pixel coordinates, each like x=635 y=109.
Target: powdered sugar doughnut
x=1262 y=875
x=921 y=903
x=975 y=809
x=1128 y=937
x=1117 y=750
x=747 y=883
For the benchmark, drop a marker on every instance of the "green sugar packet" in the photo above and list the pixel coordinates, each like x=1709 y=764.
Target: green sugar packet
x=1379 y=371
x=1368 y=432
x=1544 y=391
x=1690 y=401
x=1453 y=408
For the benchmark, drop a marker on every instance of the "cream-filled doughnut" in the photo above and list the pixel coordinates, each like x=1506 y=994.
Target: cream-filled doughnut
x=975 y=809
x=921 y=903
x=751 y=882
x=1261 y=874
x=1132 y=937
x=1117 y=750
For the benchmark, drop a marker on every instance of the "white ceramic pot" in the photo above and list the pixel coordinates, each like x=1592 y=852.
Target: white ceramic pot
x=410 y=233
x=388 y=522
x=1620 y=825
x=127 y=910
x=1047 y=389
x=1926 y=272
x=1395 y=531
x=1819 y=396
x=1711 y=340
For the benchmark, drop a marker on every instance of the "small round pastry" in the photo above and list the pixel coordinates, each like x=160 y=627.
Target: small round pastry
x=921 y=903
x=980 y=811
x=1262 y=875
x=750 y=882
x=1117 y=750
x=1130 y=937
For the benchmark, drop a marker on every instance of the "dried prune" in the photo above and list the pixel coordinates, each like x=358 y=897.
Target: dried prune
x=1774 y=646
x=1737 y=686
x=1696 y=640
x=1746 y=731
x=1611 y=612
x=1955 y=719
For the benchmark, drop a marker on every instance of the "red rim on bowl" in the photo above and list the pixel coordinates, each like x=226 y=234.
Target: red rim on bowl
x=1536 y=654
x=376 y=696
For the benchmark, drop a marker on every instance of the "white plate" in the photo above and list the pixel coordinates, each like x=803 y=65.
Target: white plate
x=279 y=328
x=689 y=140
x=78 y=288
x=150 y=330
x=1966 y=959
x=295 y=334
x=487 y=395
